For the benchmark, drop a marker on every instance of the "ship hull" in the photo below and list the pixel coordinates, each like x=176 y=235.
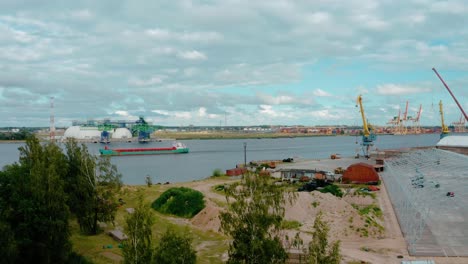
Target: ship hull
x=135 y=152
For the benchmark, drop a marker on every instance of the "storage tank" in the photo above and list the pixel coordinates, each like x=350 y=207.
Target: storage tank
x=121 y=132
x=82 y=132
x=360 y=173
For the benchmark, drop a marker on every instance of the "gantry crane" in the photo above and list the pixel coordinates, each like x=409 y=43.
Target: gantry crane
x=459 y=126
x=403 y=126
x=395 y=122
x=445 y=131
x=368 y=135
x=416 y=128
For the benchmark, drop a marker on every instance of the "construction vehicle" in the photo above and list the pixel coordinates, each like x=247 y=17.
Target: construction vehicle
x=339 y=170
x=444 y=131
x=335 y=156
x=368 y=135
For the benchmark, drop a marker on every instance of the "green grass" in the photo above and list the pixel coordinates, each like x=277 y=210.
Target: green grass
x=290 y=224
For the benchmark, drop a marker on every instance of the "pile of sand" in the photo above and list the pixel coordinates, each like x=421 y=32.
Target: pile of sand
x=208 y=218
x=344 y=220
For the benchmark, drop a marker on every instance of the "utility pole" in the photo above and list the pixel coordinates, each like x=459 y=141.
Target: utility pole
x=52 y=121
x=245 y=154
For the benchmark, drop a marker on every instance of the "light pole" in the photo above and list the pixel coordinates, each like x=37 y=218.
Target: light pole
x=245 y=154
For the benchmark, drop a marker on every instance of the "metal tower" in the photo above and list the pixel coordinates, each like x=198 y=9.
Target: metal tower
x=52 y=121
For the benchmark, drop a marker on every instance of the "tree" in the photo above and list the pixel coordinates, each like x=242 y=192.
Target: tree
x=33 y=212
x=92 y=184
x=253 y=220
x=319 y=250
x=138 y=247
x=174 y=248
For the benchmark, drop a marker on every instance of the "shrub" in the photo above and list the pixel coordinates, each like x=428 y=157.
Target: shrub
x=217 y=173
x=333 y=189
x=183 y=202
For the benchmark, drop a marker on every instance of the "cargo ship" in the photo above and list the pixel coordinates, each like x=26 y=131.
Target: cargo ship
x=177 y=148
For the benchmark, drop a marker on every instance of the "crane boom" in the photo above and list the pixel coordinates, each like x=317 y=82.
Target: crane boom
x=365 y=126
x=418 y=116
x=405 y=115
x=445 y=129
x=453 y=96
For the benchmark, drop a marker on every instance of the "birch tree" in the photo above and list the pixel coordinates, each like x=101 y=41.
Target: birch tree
x=138 y=247
x=253 y=220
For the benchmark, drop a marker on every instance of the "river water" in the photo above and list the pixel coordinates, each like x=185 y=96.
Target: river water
x=208 y=155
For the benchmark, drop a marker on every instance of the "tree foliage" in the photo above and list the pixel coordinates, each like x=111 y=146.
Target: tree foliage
x=320 y=252
x=253 y=220
x=33 y=209
x=174 y=248
x=184 y=202
x=92 y=184
x=138 y=247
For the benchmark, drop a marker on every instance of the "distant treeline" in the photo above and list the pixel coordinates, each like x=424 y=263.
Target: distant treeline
x=20 y=135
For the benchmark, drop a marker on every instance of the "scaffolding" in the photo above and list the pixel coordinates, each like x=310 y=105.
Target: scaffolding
x=420 y=184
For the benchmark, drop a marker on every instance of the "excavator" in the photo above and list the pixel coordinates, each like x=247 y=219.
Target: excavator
x=445 y=131
x=368 y=135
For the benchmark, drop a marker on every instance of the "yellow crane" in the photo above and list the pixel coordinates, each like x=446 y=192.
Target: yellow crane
x=368 y=135
x=445 y=131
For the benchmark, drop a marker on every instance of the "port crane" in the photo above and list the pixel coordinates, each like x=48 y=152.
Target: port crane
x=395 y=122
x=368 y=135
x=143 y=130
x=459 y=126
x=105 y=128
x=445 y=131
x=416 y=127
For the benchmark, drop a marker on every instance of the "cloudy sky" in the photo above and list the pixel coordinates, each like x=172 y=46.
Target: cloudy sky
x=238 y=62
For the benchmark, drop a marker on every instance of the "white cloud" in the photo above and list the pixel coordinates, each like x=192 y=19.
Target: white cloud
x=202 y=111
x=198 y=37
x=83 y=14
x=396 y=89
x=122 y=113
x=148 y=82
x=192 y=55
x=321 y=93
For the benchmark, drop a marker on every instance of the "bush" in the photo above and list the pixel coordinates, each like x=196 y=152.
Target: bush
x=183 y=202
x=217 y=173
x=333 y=189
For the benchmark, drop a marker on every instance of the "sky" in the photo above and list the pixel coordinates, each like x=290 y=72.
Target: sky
x=231 y=62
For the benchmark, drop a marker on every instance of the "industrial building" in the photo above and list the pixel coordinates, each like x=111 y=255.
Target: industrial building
x=429 y=193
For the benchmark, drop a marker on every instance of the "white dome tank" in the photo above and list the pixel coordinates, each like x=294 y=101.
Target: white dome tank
x=82 y=132
x=121 y=132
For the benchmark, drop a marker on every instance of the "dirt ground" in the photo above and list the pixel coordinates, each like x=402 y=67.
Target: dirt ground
x=346 y=224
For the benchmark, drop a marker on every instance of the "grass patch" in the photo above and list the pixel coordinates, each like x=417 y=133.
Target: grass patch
x=290 y=224
x=315 y=204
x=210 y=246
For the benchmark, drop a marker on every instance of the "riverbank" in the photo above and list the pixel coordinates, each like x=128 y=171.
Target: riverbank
x=229 y=135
